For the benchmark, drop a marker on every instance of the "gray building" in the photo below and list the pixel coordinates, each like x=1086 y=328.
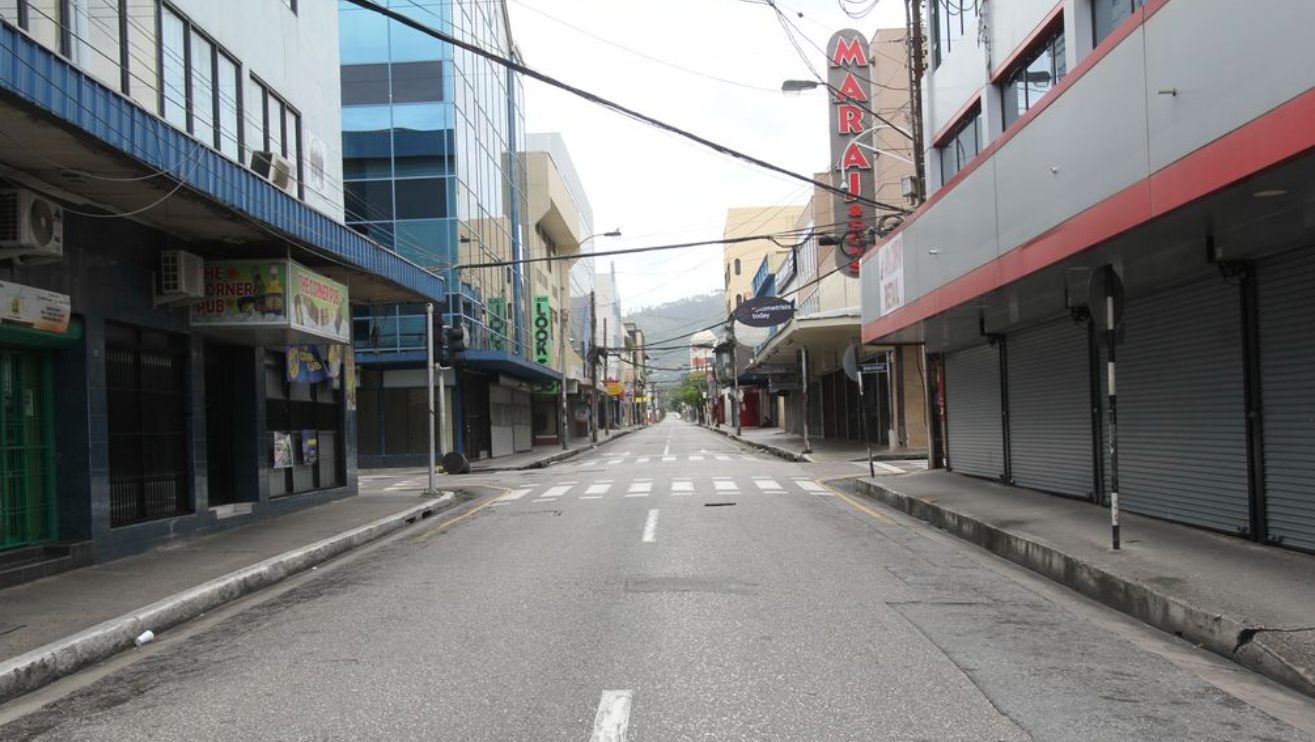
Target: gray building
x=1116 y=133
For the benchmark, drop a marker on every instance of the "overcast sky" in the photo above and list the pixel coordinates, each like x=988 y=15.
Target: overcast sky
x=656 y=187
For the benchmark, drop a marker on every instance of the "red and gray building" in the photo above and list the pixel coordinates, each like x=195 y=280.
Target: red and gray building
x=1172 y=140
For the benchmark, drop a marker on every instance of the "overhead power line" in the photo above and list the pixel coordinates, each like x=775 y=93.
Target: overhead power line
x=517 y=67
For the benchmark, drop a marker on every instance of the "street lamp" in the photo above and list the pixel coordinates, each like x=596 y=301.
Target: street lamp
x=589 y=357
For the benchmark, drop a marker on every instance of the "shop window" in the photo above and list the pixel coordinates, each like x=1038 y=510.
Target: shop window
x=146 y=398
x=304 y=425
x=1035 y=74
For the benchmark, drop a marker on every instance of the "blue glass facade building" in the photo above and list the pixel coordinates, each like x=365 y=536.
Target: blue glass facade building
x=432 y=137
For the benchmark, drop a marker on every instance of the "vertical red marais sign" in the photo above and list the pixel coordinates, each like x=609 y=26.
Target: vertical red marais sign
x=848 y=81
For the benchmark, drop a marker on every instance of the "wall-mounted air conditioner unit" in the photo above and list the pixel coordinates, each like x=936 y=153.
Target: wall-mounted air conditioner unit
x=31 y=226
x=181 y=278
x=273 y=167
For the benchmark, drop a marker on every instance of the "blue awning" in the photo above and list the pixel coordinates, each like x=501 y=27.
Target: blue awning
x=510 y=364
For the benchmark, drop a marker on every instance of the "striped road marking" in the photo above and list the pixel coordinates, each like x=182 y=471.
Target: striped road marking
x=811 y=487
x=613 y=717
x=767 y=485
x=725 y=485
x=599 y=488
x=650 y=527
x=517 y=494
x=557 y=491
x=696 y=458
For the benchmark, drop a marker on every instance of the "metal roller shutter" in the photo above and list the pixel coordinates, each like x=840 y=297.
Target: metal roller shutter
x=1286 y=303
x=972 y=401
x=1182 y=435
x=1050 y=409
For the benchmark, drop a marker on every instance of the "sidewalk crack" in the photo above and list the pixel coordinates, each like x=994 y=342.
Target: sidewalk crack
x=1246 y=636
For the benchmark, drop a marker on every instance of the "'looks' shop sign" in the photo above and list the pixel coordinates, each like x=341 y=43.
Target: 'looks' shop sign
x=542 y=331
x=851 y=144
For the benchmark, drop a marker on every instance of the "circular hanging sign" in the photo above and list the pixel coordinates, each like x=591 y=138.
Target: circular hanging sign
x=765 y=311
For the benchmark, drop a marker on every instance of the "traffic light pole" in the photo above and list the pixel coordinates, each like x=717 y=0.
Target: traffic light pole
x=429 y=366
x=593 y=369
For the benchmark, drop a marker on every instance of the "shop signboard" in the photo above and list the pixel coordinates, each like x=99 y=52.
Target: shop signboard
x=282 y=449
x=310 y=446
x=273 y=295
x=497 y=309
x=890 y=271
x=33 y=308
x=764 y=311
x=615 y=389
x=307 y=364
x=542 y=331
x=852 y=155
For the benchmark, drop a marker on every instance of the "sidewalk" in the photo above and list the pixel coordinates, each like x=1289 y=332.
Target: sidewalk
x=824 y=450
x=541 y=456
x=1250 y=603
x=52 y=627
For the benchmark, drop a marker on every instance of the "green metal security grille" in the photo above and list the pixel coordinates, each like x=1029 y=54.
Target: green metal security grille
x=27 y=450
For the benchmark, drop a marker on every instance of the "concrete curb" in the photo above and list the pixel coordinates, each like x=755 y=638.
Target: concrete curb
x=44 y=665
x=776 y=451
x=553 y=459
x=1227 y=636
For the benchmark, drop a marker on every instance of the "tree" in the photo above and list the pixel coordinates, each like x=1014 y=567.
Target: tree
x=690 y=392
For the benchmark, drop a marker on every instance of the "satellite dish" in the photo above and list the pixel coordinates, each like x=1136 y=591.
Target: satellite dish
x=750 y=336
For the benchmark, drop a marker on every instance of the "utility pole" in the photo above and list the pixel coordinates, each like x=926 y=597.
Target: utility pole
x=913 y=15
x=607 y=398
x=803 y=378
x=564 y=317
x=593 y=369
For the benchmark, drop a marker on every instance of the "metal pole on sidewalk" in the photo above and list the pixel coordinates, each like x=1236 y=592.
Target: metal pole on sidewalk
x=735 y=369
x=803 y=359
x=429 y=367
x=607 y=398
x=561 y=385
x=863 y=421
x=1111 y=335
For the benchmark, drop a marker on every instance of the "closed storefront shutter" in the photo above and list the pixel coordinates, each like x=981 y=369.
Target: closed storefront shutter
x=1050 y=409
x=972 y=401
x=1286 y=303
x=1182 y=435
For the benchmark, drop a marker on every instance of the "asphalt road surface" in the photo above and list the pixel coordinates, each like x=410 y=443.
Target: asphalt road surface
x=670 y=586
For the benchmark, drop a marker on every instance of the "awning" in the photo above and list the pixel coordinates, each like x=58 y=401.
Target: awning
x=814 y=333
x=510 y=364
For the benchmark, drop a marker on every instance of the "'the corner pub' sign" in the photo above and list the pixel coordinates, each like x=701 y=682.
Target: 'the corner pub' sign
x=848 y=79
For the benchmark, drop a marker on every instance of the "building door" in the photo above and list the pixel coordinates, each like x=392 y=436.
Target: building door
x=973 y=411
x=1286 y=303
x=479 y=431
x=1050 y=446
x=27 y=448
x=221 y=375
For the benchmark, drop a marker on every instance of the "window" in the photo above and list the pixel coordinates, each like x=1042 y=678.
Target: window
x=961 y=147
x=737 y=266
x=952 y=21
x=277 y=129
x=199 y=84
x=1107 y=15
x=146 y=396
x=1035 y=74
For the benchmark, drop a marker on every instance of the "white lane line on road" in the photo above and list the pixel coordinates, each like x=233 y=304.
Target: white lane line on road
x=650 y=527
x=613 y=717
x=544 y=499
x=637 y=494
x=722 y=458
x=517 y=494
x=641 y=460
x=696 y=458
x=668 y=459
x=557 y=491
x=598 y=489
x=614 y=462
x=591 y=497
x=666 y=450
x=888 y=467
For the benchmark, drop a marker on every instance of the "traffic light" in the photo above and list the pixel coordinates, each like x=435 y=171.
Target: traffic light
x=454 y=345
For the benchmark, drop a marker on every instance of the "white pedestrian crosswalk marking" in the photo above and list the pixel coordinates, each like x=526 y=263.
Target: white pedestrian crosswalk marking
x=725 y=485
x=809 y=486
x=766 y=484
x=683 y=486
x=723 y=458
x=599 y=488
x=641 y=460
x=696 y=458
x=518 y=493
x=557 y=491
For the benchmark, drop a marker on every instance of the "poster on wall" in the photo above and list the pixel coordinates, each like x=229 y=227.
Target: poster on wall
x=310 y=447
x=282 y=450
x=497 y=307
x=33 y=308
x=307 y=365
x=349 y=374
x=542 y=331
